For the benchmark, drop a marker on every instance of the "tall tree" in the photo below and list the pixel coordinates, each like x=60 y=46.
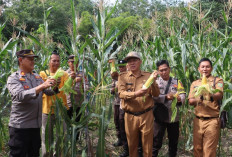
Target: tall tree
x=134 y=7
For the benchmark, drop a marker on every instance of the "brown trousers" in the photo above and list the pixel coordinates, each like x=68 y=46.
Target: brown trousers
x=205 y=137
x=144 y=125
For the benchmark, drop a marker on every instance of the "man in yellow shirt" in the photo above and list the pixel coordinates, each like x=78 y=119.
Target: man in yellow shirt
x=49 y=101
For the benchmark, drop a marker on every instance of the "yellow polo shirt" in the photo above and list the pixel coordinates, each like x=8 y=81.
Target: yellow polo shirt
x=49 y=101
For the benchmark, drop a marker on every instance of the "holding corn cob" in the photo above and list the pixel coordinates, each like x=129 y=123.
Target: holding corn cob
x=206 y=122
x=204 y=89
x=180 y=90
x=112 y=66
x=166 y=110
x=150 y=80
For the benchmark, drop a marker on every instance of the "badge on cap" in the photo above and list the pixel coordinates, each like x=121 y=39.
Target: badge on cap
x=30 y=53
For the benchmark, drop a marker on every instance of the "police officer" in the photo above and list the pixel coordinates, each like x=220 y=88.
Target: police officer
x=206 y=129
x=78 y=87
x=118 y=112
x=137 y=104
x=26 y=87
x=164 y=100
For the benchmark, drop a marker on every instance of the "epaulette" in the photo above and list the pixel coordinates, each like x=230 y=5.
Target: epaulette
x=123 y=73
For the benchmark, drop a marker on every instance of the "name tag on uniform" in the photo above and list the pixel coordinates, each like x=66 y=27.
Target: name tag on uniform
x=129 y=83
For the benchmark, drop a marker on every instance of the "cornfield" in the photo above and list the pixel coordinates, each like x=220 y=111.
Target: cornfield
x=182 y=36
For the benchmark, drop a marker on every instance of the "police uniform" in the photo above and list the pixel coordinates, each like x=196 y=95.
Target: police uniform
x=116 y=104
x=161 y=126
x=206 y=128
x=138 y=111
x=26 y=111
x=78 y=98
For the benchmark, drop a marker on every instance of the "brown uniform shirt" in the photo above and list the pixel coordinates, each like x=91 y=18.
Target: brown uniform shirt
x=128 y=84
x=207 y=108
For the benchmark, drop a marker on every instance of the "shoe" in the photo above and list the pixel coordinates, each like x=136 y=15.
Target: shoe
x=140 y=152
x=118 y=143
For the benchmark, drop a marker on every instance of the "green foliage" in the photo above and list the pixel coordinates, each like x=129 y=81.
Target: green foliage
x=180 y=34
x=85 y=27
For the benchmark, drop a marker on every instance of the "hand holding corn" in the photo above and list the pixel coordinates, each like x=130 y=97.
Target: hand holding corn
x=112 y=66
x=204 y=90
x=141 y=92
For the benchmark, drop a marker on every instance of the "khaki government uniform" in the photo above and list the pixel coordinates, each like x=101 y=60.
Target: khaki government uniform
x=143 y=122
x=206 y=129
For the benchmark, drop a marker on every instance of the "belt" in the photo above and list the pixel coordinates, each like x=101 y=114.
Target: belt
x=139 y=113
x=205 y=118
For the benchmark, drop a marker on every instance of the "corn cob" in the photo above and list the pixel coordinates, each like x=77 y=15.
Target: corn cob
x=67 y=88
x=180 y=90
x=149 y=81
x=204 y=90
x=112 y=67
x=59 y=73
x=204 y=80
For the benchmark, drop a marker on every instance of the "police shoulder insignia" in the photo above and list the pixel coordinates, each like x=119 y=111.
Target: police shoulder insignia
x=37 y=77
x=26 y=87
x=22 y=79
x=220 y=85
x=175 y=86
x=22 y=73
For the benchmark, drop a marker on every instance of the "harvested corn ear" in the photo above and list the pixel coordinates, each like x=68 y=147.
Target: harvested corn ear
x=149 y=81
x=59 y=73
x=67 y=88
x=112 y=67
x=204 y=89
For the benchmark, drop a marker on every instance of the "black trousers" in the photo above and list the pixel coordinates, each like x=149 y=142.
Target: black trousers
x=173 y=135
x=24 y=142
x=116 y=120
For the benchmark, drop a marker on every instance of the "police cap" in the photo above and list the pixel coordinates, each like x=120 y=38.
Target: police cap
x=26 y=53
x=122 y=63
